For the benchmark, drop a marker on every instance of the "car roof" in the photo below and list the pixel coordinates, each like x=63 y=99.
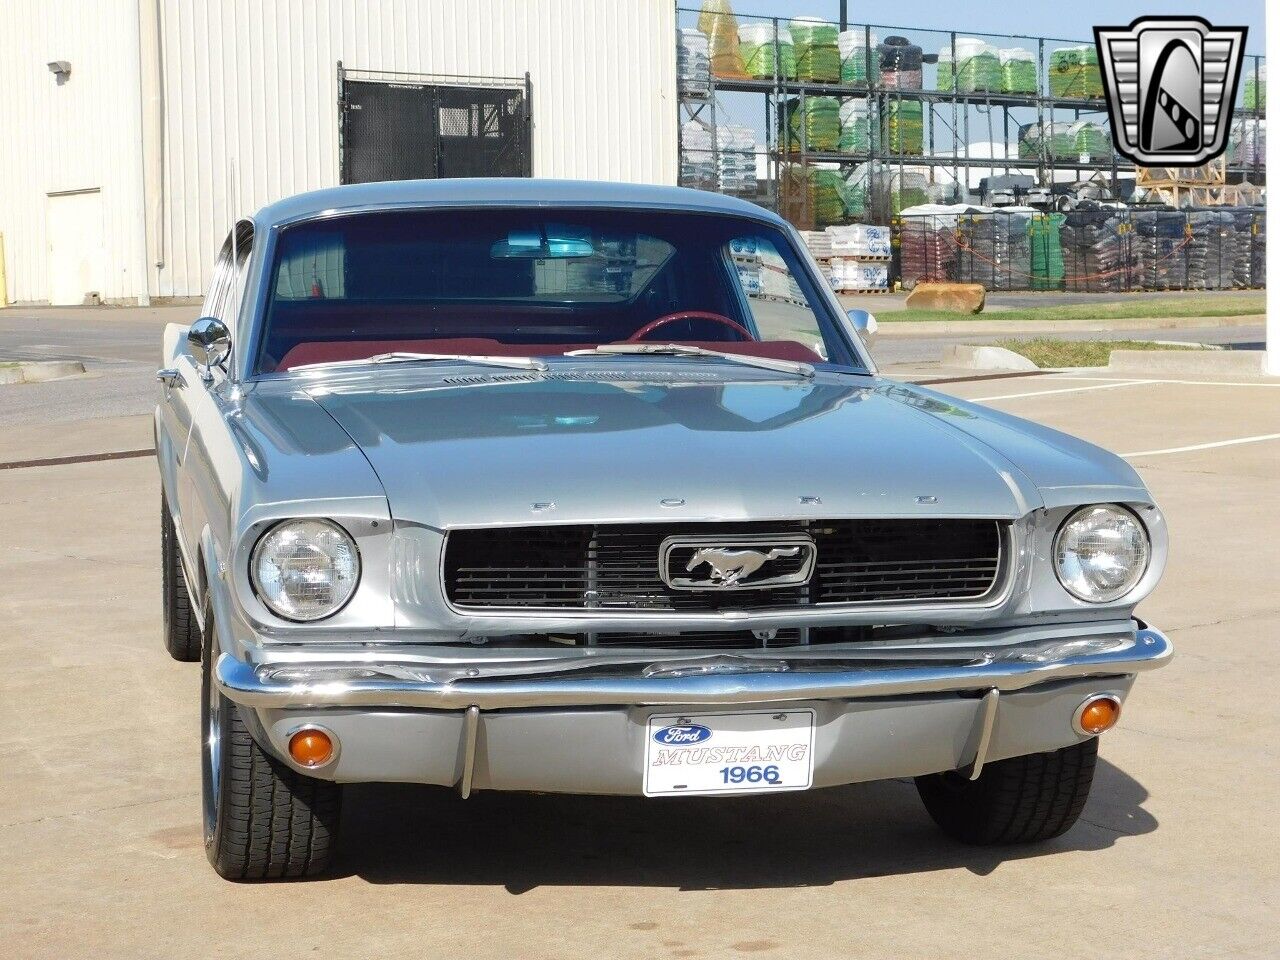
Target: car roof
x=499 y=192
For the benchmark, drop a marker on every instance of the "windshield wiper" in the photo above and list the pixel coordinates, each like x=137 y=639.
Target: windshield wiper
x=519 y=363
x=683 y=350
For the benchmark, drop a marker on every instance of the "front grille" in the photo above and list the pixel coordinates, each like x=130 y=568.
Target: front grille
x=615 y=566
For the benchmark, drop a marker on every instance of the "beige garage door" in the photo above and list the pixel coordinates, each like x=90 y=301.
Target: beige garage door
x=76 y=251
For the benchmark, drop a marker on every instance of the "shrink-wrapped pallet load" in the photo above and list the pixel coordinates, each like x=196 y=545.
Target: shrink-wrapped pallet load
x=861 y=241
x=1163 y=238
x=698 y=167
x=817 y=120
x=1100 y=251
x=902 y=127
x=1017 y=71
x=994 y=249
x=901 y=64
x=1080 y=142
x=717 y=21
x=817 y=49
x=1074 y=73
x=693 y=63
x=946 y=70
x=857 y=190
x=850 y=275
x=763 y=51
x=1210 y=250
x=857 y=125
x=827 y=193
x=858 y=62
x=977 y=66
x=1247 y=144
x=736 y=156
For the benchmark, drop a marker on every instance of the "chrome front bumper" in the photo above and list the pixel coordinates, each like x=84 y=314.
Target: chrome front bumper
x=687 y=679
x=580 y=729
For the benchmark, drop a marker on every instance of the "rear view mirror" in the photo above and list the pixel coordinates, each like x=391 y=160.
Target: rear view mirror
x=865 y=324
x=554 y=242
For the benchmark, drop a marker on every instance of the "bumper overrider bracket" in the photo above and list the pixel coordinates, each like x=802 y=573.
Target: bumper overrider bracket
x=363 y=683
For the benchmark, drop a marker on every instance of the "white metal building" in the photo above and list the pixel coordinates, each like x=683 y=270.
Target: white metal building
x=132 y=127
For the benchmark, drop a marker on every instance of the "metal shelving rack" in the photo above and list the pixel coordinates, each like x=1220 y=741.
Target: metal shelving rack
x=950 y=112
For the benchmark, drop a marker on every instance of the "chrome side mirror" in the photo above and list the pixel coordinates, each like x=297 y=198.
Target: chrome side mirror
x=209 y=341
x=865 y=324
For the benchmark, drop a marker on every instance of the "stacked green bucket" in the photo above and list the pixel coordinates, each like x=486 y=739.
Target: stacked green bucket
x=1045 y=238
x=1017 y=71
x=818 y=118
x=816 y=49
x=1074 y=73
x=902 y=127
x=758 y=44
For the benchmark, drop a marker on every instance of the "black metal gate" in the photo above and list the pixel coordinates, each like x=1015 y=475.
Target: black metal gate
x=399 y=126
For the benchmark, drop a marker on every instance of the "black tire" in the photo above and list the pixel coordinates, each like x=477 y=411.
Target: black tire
x=181 y=632
x=262 y=819
x=1019 y=800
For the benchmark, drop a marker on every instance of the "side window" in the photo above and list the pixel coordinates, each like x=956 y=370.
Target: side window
x=226 y=290
x=778 y=306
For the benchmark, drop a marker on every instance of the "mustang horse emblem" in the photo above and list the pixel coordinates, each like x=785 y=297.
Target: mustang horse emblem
x=730 y=566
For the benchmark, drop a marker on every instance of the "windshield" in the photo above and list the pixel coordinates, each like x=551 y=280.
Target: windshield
x=541 y=282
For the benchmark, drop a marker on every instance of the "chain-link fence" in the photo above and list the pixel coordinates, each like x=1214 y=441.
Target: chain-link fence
x=1100 y=250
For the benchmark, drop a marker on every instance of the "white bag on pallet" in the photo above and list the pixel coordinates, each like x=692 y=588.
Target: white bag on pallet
x=859 y=240
x=851 y=274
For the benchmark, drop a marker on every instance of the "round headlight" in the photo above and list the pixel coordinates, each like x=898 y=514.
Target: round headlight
x=1101 y=552
x=305 y=569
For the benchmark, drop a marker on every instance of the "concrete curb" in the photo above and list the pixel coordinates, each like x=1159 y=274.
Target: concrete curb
x=1233 y=363
x=40 y=371
x=942 y=328
x=969 y=357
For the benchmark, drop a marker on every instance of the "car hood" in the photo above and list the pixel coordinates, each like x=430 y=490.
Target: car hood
x=501 y=449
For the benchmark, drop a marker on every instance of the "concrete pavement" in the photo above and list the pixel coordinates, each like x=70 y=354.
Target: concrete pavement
x=100 y=850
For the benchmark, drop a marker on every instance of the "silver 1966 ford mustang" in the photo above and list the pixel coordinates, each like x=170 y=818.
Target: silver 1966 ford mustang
x=550 y=486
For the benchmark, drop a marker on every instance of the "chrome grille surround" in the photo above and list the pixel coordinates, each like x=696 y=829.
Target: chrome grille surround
x=586 y=568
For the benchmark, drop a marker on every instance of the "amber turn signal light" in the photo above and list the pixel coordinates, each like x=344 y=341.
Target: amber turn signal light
x=1098 y=714
x=311 y=748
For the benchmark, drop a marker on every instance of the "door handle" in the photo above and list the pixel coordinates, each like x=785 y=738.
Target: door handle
x=171 y=377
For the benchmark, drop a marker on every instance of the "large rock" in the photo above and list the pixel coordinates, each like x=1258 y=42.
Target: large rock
x=955 y=297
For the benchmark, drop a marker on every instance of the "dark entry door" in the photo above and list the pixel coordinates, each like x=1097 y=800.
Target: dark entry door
x=407 y=130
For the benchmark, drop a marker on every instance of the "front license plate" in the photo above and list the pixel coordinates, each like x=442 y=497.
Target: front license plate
x=722 y=753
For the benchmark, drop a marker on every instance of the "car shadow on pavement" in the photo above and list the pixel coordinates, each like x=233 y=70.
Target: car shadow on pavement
x=396 y=833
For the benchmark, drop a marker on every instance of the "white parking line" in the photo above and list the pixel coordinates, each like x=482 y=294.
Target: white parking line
x=1043 y=393
x=1204 y=446
x=1193 y=383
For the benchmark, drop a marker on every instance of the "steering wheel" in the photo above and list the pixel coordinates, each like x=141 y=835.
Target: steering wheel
x=662 y=321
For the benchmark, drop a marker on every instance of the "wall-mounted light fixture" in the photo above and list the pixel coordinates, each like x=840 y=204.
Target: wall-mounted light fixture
x=60 y=69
